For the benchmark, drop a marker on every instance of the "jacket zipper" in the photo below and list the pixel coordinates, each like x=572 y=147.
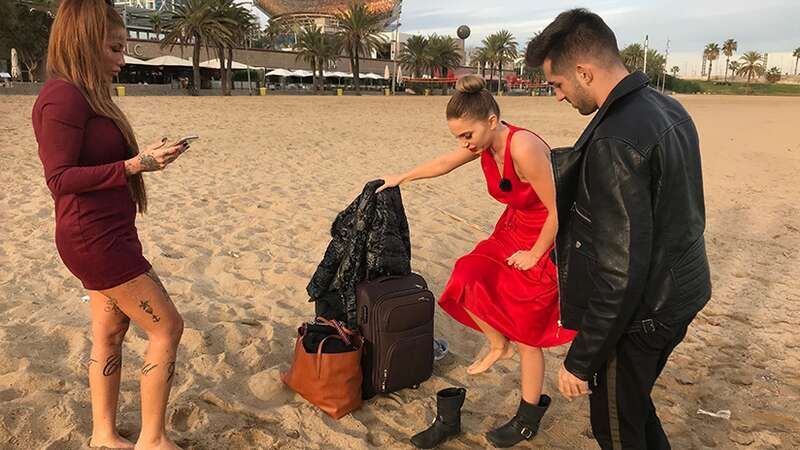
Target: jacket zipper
x=578 y=211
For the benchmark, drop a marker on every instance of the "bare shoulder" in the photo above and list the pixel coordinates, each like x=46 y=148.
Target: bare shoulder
x=528 y=146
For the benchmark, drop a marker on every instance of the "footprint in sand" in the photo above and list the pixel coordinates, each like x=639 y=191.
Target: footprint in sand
x=188 y=417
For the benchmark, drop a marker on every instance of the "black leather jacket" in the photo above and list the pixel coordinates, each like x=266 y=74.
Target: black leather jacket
x=630 y=245
x=369 y=239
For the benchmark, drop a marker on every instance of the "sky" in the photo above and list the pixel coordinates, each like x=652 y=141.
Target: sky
x=771 y=26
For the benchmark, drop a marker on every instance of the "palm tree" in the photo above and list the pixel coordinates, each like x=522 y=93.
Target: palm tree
x=413 y=56
x=489 y=52
x=196 y=22
x=796 y=55
x=442 y=54
x=243 y=24
x=308 y=47
x=675 y=70
x=360 y=34
x=729 y=48
x=505 y=52
x=481 y=56
x=734 y=66
x=632 y=57
x=712 y=53
x=752 y=64
x=273 y=33
x=157 y=22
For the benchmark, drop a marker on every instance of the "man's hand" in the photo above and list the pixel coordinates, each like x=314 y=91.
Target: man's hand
x=571 y=386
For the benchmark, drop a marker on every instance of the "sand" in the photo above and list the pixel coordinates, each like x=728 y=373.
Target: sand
x=238 y=225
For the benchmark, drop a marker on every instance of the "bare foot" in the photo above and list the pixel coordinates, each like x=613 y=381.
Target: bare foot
x=494 y=355
x=163 y=443
x=114 y=441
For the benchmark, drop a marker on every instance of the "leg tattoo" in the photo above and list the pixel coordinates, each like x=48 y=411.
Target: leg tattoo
x=113 y=363
x=111 y=306
x=148 y=367
x=154 y=276
x=171 y=370
x=145 y=305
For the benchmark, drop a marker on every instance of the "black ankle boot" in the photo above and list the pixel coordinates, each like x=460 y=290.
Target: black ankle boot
x=523 y=426
x=448 y=419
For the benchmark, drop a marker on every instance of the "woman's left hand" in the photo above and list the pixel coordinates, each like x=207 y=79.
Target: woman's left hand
x=523 y=260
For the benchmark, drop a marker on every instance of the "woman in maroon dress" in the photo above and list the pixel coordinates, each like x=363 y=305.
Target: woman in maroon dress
x=93 y=169
x=506 y=287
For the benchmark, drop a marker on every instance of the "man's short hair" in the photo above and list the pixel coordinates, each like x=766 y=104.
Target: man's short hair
x=574 y=33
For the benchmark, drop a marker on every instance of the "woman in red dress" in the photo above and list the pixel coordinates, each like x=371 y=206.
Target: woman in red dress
x=506 y=287
x=94 y=171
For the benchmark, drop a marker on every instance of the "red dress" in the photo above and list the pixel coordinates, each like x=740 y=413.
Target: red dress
x=522 y=305
x=83 y=157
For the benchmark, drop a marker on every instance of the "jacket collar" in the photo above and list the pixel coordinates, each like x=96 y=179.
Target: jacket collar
x=629 y=84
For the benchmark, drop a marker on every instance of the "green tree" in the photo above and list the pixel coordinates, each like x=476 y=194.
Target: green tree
x=734 y=66
x=632 y=57
x=414 y=56
x=359 y=35
x=712 y=54
x=442 y=54
x=774 y=75
x=481 y=57
x=505 y=52
x=675 y=71
x=29 y=33
x=197 y=22
x=796 y=55
x=273 y=36
x=309 y=47
x=157 y=22
x=242 y=26
x=729 y=47
x=751 y=64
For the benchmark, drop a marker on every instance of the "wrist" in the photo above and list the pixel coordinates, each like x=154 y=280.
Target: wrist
x=133 y=166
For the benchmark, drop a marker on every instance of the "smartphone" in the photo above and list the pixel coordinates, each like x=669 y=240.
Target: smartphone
x=187 y=139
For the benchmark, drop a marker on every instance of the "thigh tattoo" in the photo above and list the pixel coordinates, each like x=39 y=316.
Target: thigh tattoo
x=145 y=306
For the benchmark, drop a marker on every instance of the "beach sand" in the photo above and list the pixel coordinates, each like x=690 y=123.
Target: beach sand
x=239 y=223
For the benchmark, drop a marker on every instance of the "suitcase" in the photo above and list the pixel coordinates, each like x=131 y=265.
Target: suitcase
x=395 y=317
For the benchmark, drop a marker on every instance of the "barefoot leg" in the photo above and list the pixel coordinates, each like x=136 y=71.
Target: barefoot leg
x=499 y=347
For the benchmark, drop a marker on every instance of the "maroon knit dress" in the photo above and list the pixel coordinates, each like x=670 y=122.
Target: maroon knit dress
x=83 y=156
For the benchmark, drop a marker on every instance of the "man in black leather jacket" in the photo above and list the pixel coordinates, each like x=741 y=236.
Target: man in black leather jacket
x=633 y=270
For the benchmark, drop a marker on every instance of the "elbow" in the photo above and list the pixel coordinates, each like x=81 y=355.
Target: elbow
x=56 y=186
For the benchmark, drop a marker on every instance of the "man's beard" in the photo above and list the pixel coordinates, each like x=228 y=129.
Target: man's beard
x=583 y=102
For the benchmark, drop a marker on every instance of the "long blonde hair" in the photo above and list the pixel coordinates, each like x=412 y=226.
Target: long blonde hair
x=75 y=53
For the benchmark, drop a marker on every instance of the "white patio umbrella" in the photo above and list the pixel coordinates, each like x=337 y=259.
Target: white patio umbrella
x=15 y=73
x=386 y=73
x=132 y=60
x=214 y=64
x=280 y=73
x=399 y=74
x=168 y=60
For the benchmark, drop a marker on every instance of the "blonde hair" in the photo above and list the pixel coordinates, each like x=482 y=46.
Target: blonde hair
x=74 y=54
x=472 y=100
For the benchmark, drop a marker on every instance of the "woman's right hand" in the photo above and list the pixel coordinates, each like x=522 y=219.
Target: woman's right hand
x=390 y=182
x=155 y=157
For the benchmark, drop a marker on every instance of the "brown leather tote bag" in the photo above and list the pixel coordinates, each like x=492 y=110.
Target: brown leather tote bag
x=330 y=381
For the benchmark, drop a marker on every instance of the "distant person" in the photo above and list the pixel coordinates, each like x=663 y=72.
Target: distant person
x=93 y=168
x=506 y=287
x=631 y=253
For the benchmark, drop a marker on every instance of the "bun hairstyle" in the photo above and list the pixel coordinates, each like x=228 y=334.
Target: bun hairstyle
x=472 y=100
